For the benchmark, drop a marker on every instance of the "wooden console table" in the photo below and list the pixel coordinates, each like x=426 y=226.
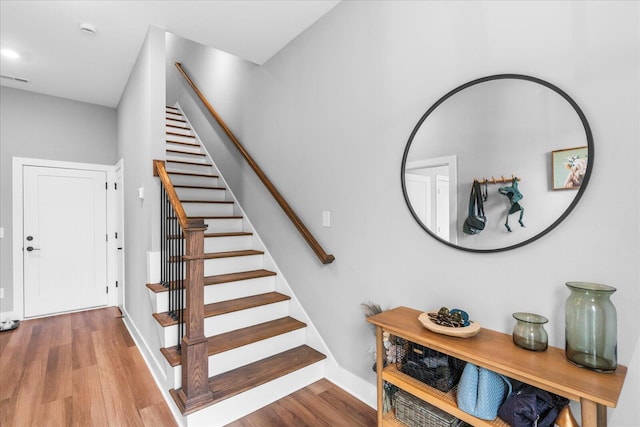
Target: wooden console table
x=548 y=370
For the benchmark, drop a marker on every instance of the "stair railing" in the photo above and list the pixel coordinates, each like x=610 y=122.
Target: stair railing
x=171 y=266
x=297 y=222
x=183 y=243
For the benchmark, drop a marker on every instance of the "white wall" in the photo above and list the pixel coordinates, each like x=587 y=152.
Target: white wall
x=328 y=117
x=140 y=140
x=51 y=128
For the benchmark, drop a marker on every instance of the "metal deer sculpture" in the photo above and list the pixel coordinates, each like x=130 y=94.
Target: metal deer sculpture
x=514 y=195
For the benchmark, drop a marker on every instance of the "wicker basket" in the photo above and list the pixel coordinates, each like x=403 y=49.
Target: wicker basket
x=429 y=366
x=415 y=412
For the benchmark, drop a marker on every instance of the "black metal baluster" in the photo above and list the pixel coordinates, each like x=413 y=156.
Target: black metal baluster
x=172 y=262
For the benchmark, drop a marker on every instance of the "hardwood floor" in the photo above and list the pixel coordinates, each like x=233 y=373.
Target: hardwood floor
x=83 y=369
x=320 y=404
x=79 y=369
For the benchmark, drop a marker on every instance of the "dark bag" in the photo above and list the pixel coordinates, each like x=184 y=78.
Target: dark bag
x=530 y=406
x=476 y=220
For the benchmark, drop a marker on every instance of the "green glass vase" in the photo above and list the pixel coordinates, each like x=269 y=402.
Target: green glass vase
x=529 y=332
x=591 y=326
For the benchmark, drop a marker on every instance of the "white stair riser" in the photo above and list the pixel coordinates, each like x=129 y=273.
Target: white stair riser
x=193 y=180
x=185 y=167
x=221 y=292
x=190 y=148
x=205 y=209
x=244 y=318
x=213 y=267
x=200 y=194
x=222 y=225
x=231 y=409
x=238 y=357
x=232 y=359
x=178 y=127
x=225 y=244
x=174 y=122
x=180 y=138
x=170 y=116
x=187 y=157
x=231 y=321
x=241 y=289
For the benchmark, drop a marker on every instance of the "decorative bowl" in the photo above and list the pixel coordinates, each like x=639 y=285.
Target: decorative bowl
x=464 y=332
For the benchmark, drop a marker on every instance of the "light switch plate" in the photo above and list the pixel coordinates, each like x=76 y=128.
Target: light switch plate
x=1 y=232
x=326 y=219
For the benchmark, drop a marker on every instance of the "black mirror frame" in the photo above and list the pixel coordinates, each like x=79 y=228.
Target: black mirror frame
x=583 y=186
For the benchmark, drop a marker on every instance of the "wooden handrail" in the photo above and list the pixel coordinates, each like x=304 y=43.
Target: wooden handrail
x=160 y=171
x=297 y=222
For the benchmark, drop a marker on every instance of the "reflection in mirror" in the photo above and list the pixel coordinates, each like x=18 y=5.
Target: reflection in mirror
x=494 y=128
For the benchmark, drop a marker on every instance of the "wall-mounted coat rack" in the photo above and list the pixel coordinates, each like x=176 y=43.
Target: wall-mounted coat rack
x=501 y=180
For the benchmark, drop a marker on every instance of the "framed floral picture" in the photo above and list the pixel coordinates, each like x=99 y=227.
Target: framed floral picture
x=569 y=167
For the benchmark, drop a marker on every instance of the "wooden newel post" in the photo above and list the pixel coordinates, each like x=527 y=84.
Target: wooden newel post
x=195 y=391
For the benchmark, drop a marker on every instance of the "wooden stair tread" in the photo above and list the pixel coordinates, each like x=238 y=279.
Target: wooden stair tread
x=217 y=217
x=177 y=126
x=214 y=235
x=186 y=152
x=173 y=118
x=205 y=175
x=191 y=144
x=261 y=372
x=250 y=376
x=240 y=337
x=231 y=254
x=186 y=162
x=221 y=278
x=179 y=134
x=224 y=202
x=227 y=254
x=229 y=306
x=201 y=187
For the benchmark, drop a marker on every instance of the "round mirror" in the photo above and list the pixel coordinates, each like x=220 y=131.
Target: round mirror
x=526 y=143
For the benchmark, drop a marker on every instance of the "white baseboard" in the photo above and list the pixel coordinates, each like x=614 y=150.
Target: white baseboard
x=353 y=384
x=154 y=366
x=8 y=315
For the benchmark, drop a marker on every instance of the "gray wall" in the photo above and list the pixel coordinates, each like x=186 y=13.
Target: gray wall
x=328 y=117
x=140 y=140
x=45 y=127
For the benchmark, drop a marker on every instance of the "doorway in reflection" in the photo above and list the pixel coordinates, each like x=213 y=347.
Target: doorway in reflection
x=431 y=186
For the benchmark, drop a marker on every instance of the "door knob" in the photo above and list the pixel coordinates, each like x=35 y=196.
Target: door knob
x=29 y=238
x=31 y=248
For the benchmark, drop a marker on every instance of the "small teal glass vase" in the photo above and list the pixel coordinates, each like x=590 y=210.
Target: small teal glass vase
x=529 y=332
x=591 y=326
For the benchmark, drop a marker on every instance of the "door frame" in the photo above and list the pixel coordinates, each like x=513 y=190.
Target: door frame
x=18 y=164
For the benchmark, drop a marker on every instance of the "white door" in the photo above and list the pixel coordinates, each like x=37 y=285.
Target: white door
x=64 y=241
x=419 y=192
x=442 y=207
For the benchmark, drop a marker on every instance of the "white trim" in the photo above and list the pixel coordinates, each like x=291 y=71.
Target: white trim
x=152 y=362
x=17 y=200
x=119 y=212
x=314 y=339
x=353 y=384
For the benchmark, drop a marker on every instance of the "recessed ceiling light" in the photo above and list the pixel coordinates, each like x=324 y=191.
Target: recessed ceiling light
x=8 y=53
x=88 y=29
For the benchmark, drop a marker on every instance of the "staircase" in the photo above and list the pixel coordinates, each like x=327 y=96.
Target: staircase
x=257 y=334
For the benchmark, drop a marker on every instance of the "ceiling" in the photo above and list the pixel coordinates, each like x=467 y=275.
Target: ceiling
x=58 y=59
